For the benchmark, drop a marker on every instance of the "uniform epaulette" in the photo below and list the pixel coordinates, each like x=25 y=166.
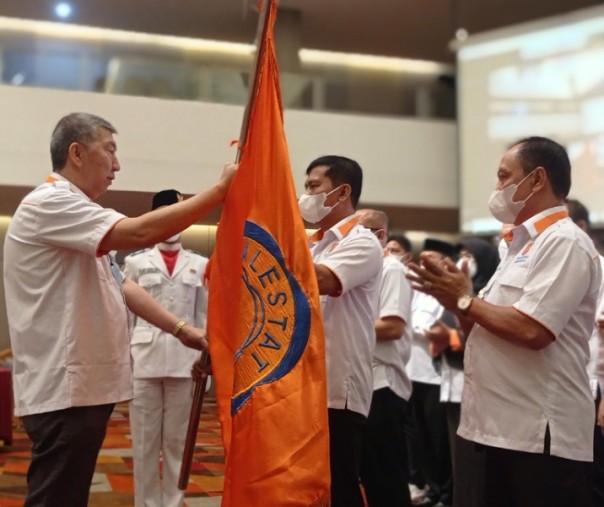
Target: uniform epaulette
x=138 y=252
x=195 y=252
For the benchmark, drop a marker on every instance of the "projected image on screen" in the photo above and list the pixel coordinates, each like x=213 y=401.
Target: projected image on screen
x=544 y=79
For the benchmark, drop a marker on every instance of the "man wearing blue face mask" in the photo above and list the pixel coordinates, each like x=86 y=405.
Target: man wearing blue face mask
x=527 y=404
x=348 y=264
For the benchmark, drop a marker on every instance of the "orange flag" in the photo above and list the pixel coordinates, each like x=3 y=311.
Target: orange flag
x=265 y=328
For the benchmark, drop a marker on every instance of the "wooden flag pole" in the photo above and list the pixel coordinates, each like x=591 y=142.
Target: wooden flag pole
x=200 y=385
x=263 y=21
x=194 y=416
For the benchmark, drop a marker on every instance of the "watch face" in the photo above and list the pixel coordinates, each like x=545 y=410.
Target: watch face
x=463 y=303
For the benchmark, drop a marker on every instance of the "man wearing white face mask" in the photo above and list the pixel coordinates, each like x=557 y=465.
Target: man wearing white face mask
x=399 y=246
x=159 y=411
x=384 y=463
x=348 y=263
x=527 y=402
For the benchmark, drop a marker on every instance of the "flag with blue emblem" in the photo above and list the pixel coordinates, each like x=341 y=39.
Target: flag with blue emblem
x=264 y=324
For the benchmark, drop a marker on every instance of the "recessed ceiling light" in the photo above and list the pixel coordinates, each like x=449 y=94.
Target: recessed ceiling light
x=63 y=10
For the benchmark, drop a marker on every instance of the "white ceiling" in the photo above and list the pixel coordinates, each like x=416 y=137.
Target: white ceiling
x=403 y=28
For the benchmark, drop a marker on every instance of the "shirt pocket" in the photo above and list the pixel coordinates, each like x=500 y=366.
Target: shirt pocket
x=191 y=282
x=510 y=287
x=149 y=280
x=192 y=279
x=142 y=335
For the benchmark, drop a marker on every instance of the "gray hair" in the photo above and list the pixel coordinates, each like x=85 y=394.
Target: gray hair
x=75 y=127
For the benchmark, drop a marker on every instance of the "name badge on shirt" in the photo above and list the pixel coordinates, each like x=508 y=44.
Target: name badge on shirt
x=147 y=271
x=524 y=255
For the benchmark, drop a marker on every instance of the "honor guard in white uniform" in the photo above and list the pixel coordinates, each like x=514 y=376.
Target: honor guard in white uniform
x=159 y=412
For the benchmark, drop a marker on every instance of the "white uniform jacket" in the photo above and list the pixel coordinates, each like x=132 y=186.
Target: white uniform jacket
x=156 y=353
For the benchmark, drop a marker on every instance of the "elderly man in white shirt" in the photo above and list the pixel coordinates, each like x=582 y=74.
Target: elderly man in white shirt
x=66 y=305
x=527 y=402
x=348 y=264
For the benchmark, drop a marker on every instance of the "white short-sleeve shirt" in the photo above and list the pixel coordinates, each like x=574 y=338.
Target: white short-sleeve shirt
x=354 y=255
x=391 y=356
x=551 y=273
x=451 y=385
x=66 y=312
x=426 y=311
x=599 y=366
x=596 y=341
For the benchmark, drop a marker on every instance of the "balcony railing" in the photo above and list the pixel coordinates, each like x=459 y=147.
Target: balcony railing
x=57 y=55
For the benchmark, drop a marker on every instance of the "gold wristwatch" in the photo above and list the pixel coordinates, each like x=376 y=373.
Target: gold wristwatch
x=464 y=303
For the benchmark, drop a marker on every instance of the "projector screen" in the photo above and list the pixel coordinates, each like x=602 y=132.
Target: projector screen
x=544 y=78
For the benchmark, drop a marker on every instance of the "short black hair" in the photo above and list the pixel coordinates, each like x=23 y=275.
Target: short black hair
x=536 y=152
x=402 y=240
x=577 y=211
x=341 y=170
x=165 y=198
x=438 y=245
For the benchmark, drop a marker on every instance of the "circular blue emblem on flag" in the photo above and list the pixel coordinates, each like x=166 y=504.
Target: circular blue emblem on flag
x=275 y=313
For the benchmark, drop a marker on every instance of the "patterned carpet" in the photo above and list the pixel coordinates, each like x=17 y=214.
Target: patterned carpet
x=112 y=485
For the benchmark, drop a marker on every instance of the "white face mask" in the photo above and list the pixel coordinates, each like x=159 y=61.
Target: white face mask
x=503 y=207
x=312 y=206
x=398 y=257
x=472 y=266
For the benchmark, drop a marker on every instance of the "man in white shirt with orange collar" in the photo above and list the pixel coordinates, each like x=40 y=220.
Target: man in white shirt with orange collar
x=527 y=402
x=384 y=462
x=66 y=305
x=348 y=264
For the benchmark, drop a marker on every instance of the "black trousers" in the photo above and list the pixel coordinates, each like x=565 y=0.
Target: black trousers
x=433 y=440
x=384 y=463
x=65 y=447
x=415 y=473
x=523 y=479
x=345 y=437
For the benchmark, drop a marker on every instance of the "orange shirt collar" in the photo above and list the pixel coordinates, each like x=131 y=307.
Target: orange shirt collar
x=537 y=223
x=341 y=229
x=543 y=223
x=54 y=177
